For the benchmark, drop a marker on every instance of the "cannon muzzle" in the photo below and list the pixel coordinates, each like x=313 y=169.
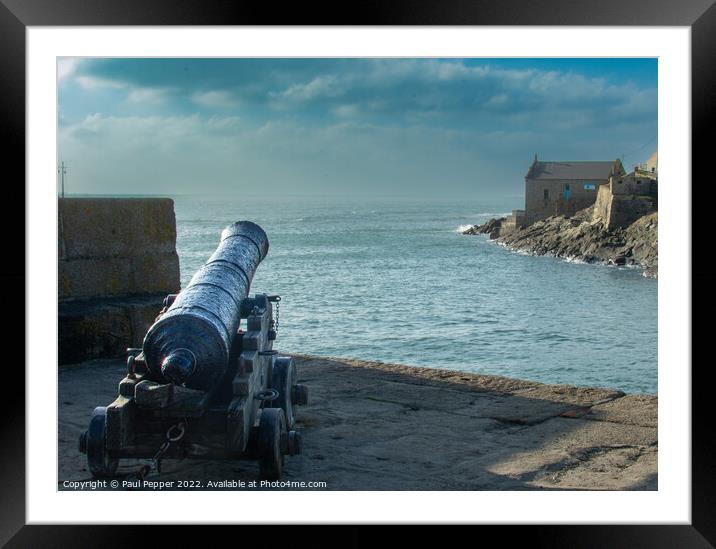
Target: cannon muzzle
x=179 y=366
x=190 y=343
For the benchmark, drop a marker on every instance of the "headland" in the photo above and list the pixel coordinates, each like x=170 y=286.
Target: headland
x=582 y=238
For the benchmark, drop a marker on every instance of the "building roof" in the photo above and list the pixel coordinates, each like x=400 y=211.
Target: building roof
x=598 y=169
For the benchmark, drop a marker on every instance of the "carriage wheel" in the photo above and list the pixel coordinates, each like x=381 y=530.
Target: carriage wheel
x=272 y=426
x=283 y=380
x=100 y=463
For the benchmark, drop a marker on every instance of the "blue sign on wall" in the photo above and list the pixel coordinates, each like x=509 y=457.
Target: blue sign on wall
x=589 y=186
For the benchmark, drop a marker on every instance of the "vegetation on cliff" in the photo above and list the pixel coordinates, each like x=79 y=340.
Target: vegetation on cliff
x=579 y=237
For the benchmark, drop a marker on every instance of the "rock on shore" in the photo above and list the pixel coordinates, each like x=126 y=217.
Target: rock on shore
x=492 y=227
x=578 y=237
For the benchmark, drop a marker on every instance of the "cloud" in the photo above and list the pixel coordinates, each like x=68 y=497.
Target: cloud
x=92 y=83
x=452 y=90
x=192 y=153
x=215 y=99
x=133 y=132
x=323 y=124
x=195 y=153
x=66 y=66
x=148 y=95
x=318 y=88
x=346 y=111
x=442 y=91
x=498 y=101
x=134 y=94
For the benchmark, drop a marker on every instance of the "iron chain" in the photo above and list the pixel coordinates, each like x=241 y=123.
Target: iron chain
x=174 y=434
x=278 y=302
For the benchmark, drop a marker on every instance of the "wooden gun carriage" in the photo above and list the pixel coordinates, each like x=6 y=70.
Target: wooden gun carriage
x=200 y=386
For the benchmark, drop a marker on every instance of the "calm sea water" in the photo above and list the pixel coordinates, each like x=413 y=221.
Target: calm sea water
x=395 y=281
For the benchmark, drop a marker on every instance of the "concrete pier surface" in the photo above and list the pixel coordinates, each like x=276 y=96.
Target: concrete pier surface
x=376 y=426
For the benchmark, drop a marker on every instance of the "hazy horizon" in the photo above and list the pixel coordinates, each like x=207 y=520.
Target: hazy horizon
x=401 y=128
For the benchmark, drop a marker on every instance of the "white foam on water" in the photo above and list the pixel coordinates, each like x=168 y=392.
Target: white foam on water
x=494 y=215
x=575 y=259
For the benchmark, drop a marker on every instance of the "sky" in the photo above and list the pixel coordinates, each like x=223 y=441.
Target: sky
x=439 y=128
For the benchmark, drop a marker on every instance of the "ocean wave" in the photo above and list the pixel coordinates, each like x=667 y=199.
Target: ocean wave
x=463 y=228
x=491 y=215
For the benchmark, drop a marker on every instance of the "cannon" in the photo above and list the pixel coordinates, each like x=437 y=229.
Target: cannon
x=202 y=386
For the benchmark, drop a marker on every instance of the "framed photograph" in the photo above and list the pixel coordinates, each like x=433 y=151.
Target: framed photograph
x=401 y=271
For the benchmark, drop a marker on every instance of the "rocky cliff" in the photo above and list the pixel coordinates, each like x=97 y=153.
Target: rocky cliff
x=581 y=238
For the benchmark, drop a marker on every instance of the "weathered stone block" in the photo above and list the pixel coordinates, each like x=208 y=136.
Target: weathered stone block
x=116 y=227
x=116 y=246
x=116 y=276
x=104 y=327
x=625 y=210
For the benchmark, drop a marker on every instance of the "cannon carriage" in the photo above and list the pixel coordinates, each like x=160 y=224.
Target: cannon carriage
x=202 y=386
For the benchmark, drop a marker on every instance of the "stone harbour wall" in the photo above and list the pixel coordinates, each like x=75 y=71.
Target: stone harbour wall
x=116 y=246
x=117 y=260
x=625 y=210
x=621 y=210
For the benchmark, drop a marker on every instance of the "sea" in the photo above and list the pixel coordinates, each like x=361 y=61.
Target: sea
x=393 y=280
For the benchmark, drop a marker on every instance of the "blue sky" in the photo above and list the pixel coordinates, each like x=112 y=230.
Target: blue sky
x=447 y=128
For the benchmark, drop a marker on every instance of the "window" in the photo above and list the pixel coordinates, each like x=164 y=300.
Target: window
x=546 y=194
x=566 y=186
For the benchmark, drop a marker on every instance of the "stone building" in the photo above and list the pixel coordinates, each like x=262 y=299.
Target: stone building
x=637 y=182
x=627 y=197
x=563 y=188
x=652 y=164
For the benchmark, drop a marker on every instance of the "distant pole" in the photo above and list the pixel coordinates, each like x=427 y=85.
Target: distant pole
x=63 y=171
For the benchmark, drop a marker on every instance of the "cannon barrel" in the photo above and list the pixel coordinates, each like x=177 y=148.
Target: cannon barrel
x=190 y=343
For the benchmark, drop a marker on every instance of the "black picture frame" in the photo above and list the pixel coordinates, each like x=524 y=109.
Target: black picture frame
x=16 y=15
